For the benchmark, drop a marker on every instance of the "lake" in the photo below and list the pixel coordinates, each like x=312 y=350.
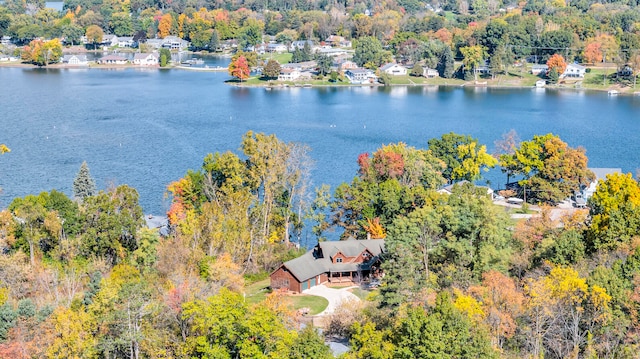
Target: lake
x=147 y=127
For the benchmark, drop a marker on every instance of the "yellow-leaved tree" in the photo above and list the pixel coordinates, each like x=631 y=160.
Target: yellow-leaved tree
x=562 y=309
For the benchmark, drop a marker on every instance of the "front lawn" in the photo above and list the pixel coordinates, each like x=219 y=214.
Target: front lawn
x=315 y=303
x=257 y=292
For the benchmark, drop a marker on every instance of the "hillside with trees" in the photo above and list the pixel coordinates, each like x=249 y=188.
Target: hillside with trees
x=85 y=277
x=496 y=36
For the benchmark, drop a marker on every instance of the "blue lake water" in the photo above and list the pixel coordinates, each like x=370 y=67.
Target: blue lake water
x=145 y=128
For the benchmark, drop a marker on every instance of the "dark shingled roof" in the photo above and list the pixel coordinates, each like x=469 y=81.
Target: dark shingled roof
x=312 y=264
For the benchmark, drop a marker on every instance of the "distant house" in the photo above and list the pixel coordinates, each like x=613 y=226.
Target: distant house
x=174 y=43
x=301 y=66
x=626 y=70
x=575 y=71
x=539 y=69
x=394 y=69
x=299 y=44
x=288 y=74
x=337 y=41
x=331 y=52
x=429 y=72
x=75 y=60
x=277 y=48
x=483 y=68
x=5 y=40
x=154 y=43
x=109 y=40
x=346 y=65
x=112 y=60
x=125 y=41
x=145 y=59
x=601 y=175
x=333 y=262
x=360 y=76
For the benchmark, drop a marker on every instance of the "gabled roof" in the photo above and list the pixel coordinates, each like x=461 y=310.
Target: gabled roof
x=143 y=56
x=388 y=66
x=66 y=58
x=113 y=58
x=352 y=247
x=576 y=66
x=316 y=262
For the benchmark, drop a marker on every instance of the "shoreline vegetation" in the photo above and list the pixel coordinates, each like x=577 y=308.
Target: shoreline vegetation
x=593 y=80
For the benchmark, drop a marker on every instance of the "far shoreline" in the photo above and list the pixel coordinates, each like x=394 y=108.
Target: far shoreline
x=281 y=85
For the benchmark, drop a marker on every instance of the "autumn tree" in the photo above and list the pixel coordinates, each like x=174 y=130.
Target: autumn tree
x=390 y=183
x=111 y=222
x=464 y=156
x=83 y=185
x=557 y=63
x=42 y=53
x=562 y=309
x=94 y=35
x=271 y=69
x=165 y=25
x=472 y=57
x=225 y=326
x=502 y=302
x=73 y=334
x=239 y=68
x=615 y=212
x=592 y=52
x=551 y=169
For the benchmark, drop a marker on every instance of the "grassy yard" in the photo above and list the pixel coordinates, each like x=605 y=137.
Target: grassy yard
x=257 y=292
x=315 y=303
x=281 y=58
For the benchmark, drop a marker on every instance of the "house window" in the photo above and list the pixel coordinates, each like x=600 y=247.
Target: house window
x=338 y=260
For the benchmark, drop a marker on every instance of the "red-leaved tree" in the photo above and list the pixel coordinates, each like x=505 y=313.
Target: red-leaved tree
x=240 y=68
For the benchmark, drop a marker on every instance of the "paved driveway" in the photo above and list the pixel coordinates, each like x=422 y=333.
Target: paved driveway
x=334 y=296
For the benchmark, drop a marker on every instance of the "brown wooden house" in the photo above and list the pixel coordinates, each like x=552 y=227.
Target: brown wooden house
x=335 y=261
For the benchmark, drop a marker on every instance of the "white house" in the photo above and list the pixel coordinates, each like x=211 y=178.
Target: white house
x=109 y=40
x=125 y=41
x=537 y=69
x=299 y=44
x=360 y=76
x=429 y=72
x=574 y=70
x=394 y=69
x=113 y=60
x=337 y=41
x=289 y=74
x=277 y=48
x=75 y=60
x=145 y=59
x=174 y=43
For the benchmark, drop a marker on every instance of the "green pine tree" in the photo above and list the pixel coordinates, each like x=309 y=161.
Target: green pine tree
x=83 y=185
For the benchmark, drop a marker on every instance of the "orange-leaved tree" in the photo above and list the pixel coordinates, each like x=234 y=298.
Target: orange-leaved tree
x=239 y=68
x=164 y=25
x=557 y=62
x=592 y=52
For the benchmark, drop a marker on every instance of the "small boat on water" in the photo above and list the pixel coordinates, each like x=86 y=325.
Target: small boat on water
x=541 y=83
x=613 y=92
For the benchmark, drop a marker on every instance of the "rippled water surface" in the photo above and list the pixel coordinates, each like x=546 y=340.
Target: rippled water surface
x=145 y=128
